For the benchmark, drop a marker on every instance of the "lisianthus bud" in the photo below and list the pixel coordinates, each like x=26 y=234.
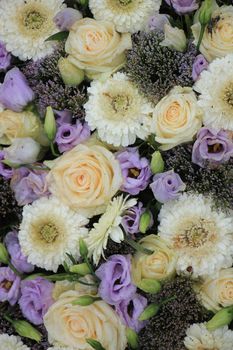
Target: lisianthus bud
x=50 y=124
x=81 y=269
x=85 y=300
x=83 y=2
x=95 y=344
x=220 y=319
x=145 y=221
x=4 y=257
x=149 y=285
x=25 y=329
x=206 y=12
x=132 y=338
x=71 y=75
x=174 y=38
x=83 y=248
x=157 y=163
x=149 y=312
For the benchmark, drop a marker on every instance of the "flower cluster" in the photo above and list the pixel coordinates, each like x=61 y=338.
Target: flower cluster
x=116 y=174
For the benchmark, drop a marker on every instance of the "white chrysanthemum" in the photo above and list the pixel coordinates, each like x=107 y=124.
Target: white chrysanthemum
x=117 y=110
x=216 y=93
x=201 y=236
x=60 y=348
x=199 y=338
x=26 y=24
x=108 y=226
x=127 y=15
x=10 y=342
x=49 y=230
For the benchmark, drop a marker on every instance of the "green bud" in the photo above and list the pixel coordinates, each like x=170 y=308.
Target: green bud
x=132 y=338
x=50 y=124
x=145 y=220
x=83 y=2
x=71 y=75
x=25 y=329
x=95 y=344
x=205 y=12
x=85 y=300
x=81 y=269
x=157 y=163
x=149 y=312
x=149 y=285
x=83 y=248
x=220 y=319
x=4 y=256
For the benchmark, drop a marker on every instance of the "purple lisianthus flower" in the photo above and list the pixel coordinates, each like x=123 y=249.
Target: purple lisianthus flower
x=199 y=65
x=15 y=92
x=5 y=57
x=135 y=170
x=69 y=135
x=66 y=18
x=131 y=219
x=212 y=146
x=18 y=259
x=167 y=186
x=29 y=185
x=116 y=284
x=36 y=299
x=5 y=171
x=183 y=6
x=130 y=310
x=158 y=21
x=63 y=117
x=9 y=286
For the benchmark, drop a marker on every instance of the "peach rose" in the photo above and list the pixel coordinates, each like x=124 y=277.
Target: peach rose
x=70 y=325
x=160 y=265
x=85 y=178
x=96 y=47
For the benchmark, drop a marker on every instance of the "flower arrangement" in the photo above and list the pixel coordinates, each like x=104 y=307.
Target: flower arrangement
x=116 y=174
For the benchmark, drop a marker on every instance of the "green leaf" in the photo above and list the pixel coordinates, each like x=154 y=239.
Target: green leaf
x=95 y=344
x=60 y=36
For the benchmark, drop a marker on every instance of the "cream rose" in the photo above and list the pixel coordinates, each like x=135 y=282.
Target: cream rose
x=160 y=265
x=176 y=118
x=217 y=292
x=70 y=325
x=218 y=36
x=18 y=125
x=96 y=47
x=85 y=178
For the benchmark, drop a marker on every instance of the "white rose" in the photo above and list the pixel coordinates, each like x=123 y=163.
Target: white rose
x=22 y=151
x=174 y=38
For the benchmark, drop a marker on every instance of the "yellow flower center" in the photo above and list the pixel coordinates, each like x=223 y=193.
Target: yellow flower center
x=6 y=285
x=228 y=95
x=124 y=2
x=116 y=5
x=49 y=233
x=34 y=20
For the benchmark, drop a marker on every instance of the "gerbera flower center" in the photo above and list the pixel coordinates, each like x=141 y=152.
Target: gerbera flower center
x=228 y=94
x=49 y=232
x=125 y=2
x=121 y=4
x=34 y=20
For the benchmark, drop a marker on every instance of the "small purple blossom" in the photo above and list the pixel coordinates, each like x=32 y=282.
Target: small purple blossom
x=63 y=117
x=183 y=6
x=130 y=310
x=213 y=146
x=135 y=170
x=199 y=65
x=15 y=92
x=116 y=284
x=36 y=299
x=158 y=21
x=131 y=219
x=66 y=18
x=69 y=135
x=5 y=57
x=29 y=185
x=5 y=171
x=167 y=186
x=9 y=286
x=18 y=259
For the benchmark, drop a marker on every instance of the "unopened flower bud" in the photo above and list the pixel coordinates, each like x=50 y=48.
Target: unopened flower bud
x=149 y=285
x=50 y=124
x=85 y=300
x=71 y=75
x=81 y=269
x=157 y=163
x=174 y=38
x=4 y=257
x=83 y=248
x=220 y=319
x=132 y=338
x=95 y=344
x=205 y=12
x=25 y=329
x=149 y=312
x=83 y=2
x=145 y=221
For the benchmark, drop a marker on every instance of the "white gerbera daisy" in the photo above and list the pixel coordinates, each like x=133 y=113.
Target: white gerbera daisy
x=117 y=110
x=216 y=93
x=108 y=226
x=127 y=15
x=49 y=230
x=200 y=235
x=199 y=338
x=10 y=342
x=26 y=24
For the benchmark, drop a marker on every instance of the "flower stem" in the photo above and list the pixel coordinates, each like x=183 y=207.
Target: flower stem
x=201 y=36
x=14 y=269
x=137 y=246
x=55 y=154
